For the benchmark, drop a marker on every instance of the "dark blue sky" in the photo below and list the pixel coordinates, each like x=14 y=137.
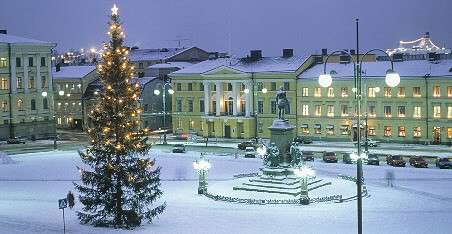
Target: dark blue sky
x=306 y=26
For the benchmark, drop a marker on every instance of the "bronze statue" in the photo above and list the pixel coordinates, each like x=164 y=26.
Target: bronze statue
x=282 y=102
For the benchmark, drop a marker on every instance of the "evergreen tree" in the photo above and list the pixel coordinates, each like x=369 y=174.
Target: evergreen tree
x=122 y=182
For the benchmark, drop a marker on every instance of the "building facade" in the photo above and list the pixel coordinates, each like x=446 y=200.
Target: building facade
x=25 y=75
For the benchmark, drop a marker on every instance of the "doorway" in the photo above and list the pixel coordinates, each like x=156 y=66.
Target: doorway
x=227 y=131
x=437 y=135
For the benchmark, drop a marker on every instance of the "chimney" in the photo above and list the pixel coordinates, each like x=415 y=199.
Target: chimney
x=3 y=31
x=256 y=54
x=352 y=52
x=58 y=67
x=287 y=53
x=324 y=51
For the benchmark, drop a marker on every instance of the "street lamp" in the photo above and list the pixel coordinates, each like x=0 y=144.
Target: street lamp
x=377 y=90
x=202 y=166
x=304 y=172
x=44 y=94
x=247 y=91
x=392 y=80
x=157 y=92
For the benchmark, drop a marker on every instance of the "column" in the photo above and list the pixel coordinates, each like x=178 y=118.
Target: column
x=13 y=78
x=219 y=95
x=38 y=81
x=49 y=72
x=25 y=78
x=207 y=95
x=235 y=98
x=248 y=100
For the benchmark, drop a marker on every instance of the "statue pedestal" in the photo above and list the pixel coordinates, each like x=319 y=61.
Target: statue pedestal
x=281 y=133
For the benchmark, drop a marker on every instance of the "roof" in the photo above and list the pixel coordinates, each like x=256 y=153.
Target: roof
x=97 y=85
x=265 y=64
x=412 y=68
x=76 y=72
x=143 y=80
x=155 y=54
x=180 y=65
x=5 y=38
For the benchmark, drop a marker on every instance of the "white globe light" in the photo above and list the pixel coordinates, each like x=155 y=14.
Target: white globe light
x=264 y=90
x=61 y=93
x=44 y=94
x=170 y=91
x=377 y=89
x=325 y=80
x=156 y=91
x=246 y=91
x=392 y=79
x=354 y=90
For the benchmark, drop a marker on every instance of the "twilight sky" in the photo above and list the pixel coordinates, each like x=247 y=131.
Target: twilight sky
x=270 y=25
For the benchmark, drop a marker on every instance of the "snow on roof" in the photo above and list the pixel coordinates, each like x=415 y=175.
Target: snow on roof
x=143 y=80
x=5 y=38
x=412 y=68
x=72 y=72
x=154 y=54
x=265 y=64
x=180 y=65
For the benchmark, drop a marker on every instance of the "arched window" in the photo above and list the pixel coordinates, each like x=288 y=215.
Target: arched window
x=20 y=104
x=4 y=106
x=33 y=104
x=45 y=104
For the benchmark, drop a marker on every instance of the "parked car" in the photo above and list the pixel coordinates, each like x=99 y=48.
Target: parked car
x=330 y=157
x=179 y=148
x=302 y=140
x=16 y=140
x=395 y=160
x=443 y=162
x=346 y=158
x=373 y=159
x=307 y=155
x=350 y=158
x=370 y=143
x=418 y=161
x=245 y=144
x=250 y=152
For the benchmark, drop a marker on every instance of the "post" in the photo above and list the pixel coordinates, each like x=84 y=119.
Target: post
x=64 y=223
x=359 y=162
x=366 y=145
x=164 y=114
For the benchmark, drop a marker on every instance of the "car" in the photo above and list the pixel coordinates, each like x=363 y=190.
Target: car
x=370 y=143
x=330 y=157
x=307 y=155
x=302 y=140
x=16 y=140
x=373 y=159
x=179 y=148
x=443 y=162
x=250 y=152
x=395 y=160
x=350 y=158
x=245 y=144
x=346 y=158
x=418 y=161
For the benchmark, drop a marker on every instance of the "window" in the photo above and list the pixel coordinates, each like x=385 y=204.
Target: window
x=201 y=86
x=372 y=91
x=304 y=92
x=261 y=127
x=260 y=107
x=402 y=132
x=317 y=92
x=317 y=110
x=59 y=106
x=449 y=133
x=344 y=92
x=436 y=91
x=305 y=110
x=31 y=82
x=417 y=132
x=416 y=91
x=140 y=65
x=4 y=106
x=19 y=83
x=20 y=104
x=287 y=109
x=401 y=112
x=260 y=86
x=387 y=110
x=304 y=129
x=242 y=87
x=344 y=110
x=30 y=62
x=43 y=82
x=191 y=124
x=344 y=129
x=371 y=131
x=201 y=106
x=179 y=105
x=178 y=86
x=18 y=62
x=2 y=62
x=190 y=87
x=317 y=128
x=401 y=92
x=190 y=105
x=436 y=111
x=33 y=104
x=330 y=111
x=43 y=61
x=417 y=112
x=449 y=112
x=330 y=92
x=387 y=131
x=286 y=86
x=273 y=107
x=273 y=86
x=388 y=92
x=330 y=129
x=4 y=83
x=372 y=111
x=449 y=91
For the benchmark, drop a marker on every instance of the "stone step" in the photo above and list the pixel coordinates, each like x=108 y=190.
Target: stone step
x=267 y=190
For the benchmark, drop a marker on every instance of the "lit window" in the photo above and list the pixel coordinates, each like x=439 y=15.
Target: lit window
x=317 y=128
x=417 y=132
x=191 y=124
x=19 y=83
x=402 y=132
x=344 y=92
x=344 y=110
x=317 y=110
x=449 y=91
x=317 y=92
x=436 y=111
x=2 y=62
x=330 y=129
x=401 y=92
x=304 y=92
x=4 y=106
x=401 y=112
x=330 y=111
x=372 y=91
x=20 y=104
x=417 y=112
x=330 y=92
x=344 y=129
x=371 y=131
x=449 y=133
x=387 y=110
x=436 y=91
x=417 y=92
x=388 y=92
x=449 y=112
x=4 y=83
x=388 y=131
x=304 y=129
x=305 y=110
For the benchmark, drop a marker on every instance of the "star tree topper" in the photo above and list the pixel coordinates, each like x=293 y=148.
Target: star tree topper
x=114 y=10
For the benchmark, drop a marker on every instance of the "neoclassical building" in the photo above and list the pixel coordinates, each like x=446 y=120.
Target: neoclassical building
x=25 y=74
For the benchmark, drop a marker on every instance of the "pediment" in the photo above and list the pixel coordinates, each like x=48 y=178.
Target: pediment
x=224 y=70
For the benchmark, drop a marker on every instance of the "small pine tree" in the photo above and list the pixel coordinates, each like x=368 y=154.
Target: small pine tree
x=121 y=183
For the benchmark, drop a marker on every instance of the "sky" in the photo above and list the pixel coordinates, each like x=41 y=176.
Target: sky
x=237 y=26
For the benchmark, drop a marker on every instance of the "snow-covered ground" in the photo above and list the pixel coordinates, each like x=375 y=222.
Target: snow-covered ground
x=420 y=202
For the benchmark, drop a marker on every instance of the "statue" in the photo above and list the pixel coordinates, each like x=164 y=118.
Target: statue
x=273 y=155
x=295 y=154
x=282 y=102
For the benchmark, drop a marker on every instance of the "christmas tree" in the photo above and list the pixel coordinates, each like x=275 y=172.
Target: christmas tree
x=121 y=183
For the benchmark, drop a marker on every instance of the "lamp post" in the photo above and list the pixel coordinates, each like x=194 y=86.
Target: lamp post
x=304 y=172
x=157 y=92
x=376 y=90
x=44 y=94
x=255 y=89
x=202 y=166
x=392 y=80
